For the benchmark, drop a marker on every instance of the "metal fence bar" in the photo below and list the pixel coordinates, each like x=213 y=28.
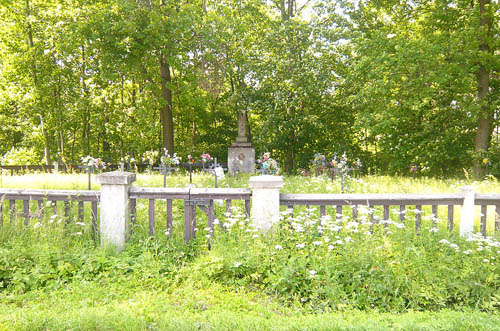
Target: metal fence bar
x=402 y=213
x=229 y=204
x=434 y=215
x=418 y=217
x=151 y=216
x=133 y=211
x=40 y=209
x=497 y=219
x=12 y=210
x=80 y=211
x=451 y=208
x=169 y=217
x=322 y=210
x=94 y=220
x=26 y=212
x=484 y=213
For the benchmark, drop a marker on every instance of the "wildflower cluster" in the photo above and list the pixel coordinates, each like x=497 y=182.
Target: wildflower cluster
x=169 y=160
x=94 y=163
x=269 y=165
x=190 y=159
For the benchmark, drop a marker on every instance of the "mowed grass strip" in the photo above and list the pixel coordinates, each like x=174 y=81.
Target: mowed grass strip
x=94 y=306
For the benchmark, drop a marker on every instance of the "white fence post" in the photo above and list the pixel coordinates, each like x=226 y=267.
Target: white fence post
x=467 y=212
x=265 y=200
x=115 y=207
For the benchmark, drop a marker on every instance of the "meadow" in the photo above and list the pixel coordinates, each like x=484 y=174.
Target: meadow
x=310 y=273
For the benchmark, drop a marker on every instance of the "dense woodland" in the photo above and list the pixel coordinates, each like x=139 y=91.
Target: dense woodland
x=400 y=84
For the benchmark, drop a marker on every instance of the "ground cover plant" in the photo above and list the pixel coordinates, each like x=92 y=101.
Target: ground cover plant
x=309 y=273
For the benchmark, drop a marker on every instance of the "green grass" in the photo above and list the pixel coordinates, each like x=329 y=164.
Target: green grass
x=109 y=306
x=52 y=279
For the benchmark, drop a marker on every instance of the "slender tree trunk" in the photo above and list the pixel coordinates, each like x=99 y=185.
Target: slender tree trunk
x=484 y=128
x=46 y=140
x=166 y=114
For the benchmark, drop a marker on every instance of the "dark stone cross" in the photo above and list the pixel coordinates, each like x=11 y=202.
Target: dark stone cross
x=165 y=170
x=88 y=169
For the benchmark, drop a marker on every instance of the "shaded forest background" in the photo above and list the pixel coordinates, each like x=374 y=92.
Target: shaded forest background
x=398 y=84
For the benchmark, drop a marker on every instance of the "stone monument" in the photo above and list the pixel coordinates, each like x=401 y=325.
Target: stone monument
x=241 y=155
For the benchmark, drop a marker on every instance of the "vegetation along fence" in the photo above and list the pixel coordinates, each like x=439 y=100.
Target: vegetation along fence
x=118 y=204
x=35 y=202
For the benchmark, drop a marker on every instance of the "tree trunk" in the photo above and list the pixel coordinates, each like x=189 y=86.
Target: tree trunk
x=166 y=114
x=484 y=128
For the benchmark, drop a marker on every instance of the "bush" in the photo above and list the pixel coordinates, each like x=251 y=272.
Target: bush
x=20 y=156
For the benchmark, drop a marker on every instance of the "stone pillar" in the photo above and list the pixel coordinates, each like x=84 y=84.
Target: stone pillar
x=241 y=155
x=114 y=209
x=467 y=212
x=265 y=200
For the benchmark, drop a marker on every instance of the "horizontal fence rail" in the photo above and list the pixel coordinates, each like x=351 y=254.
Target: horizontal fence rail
x=203 y=198
x=53 y=196
x=401 y=200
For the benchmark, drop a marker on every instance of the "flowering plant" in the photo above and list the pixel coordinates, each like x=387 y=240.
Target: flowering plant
x=205 y=157
x=190 y=159
x=319 y=161
x=94 y=163
x=169 y=160
x=340 y=164
x=150 y=157
x=269 y=165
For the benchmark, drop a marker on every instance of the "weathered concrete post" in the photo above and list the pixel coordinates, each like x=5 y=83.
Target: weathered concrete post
x=115 y=207
x=265 y=200
x=467 y=212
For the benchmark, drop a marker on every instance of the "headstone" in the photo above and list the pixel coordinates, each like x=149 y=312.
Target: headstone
x=241 y=155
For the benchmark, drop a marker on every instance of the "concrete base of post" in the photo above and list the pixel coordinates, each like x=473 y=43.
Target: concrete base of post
x=265 y=200
x=115 y=207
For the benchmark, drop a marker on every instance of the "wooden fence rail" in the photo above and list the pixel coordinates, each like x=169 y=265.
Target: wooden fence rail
x=203 y=198
x=401 y=200
x=53 y=196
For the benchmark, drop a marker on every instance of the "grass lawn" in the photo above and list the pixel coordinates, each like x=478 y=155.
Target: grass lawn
x=129 y=306
x=406 y=281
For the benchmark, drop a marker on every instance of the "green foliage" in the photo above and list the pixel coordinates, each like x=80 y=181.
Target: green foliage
x=20 y=156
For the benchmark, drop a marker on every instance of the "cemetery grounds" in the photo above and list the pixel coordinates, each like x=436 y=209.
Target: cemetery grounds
x=308 y=274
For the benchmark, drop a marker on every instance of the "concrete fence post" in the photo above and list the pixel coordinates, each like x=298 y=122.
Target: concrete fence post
x=467 y=212
x=265 y=200
x=115 y=207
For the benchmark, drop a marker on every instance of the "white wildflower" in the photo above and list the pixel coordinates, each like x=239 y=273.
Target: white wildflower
x=278 y=247
x=312 y=273
x=317 y=243
x=444 y=241
x=434 y=230
x=330 y=247
x=300 y=245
